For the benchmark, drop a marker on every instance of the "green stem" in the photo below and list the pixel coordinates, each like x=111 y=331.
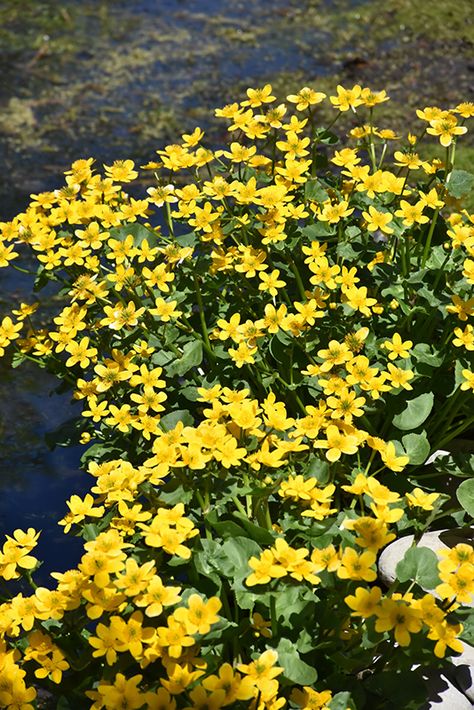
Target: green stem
x=202 y=318
x=455 y=432
x=299 y=280
x=429 y=236
x=169 y=219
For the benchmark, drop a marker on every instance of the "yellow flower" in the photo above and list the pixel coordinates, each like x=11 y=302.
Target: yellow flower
x=419 y=499
x=200 y=615
x=333 y=213
x=354 y=566
x=79 y=510
x=412 y=214
x=458 y=584
x=397 y=348
x=121 y=170
x=256 y=97
x=305 y=98
x=260 y=626
x=391 y=460
x=408 y=160
x=156 y=596
x=400 y=617
x=165 y=310
x=347 y=98
x=373 y=534
x=446 y=635
x=325 y=558
x=378 y=220
x=398 y=377
x=271 y=282
x=463 y=309
x=265 y=568
x=337 y=443
x=174 y=637
x=262 y=670
x=357 y=299
x=309 y=699
x=446 y=128
x=364 y=602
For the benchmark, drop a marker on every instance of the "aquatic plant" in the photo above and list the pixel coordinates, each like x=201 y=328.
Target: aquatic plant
x=268 y=347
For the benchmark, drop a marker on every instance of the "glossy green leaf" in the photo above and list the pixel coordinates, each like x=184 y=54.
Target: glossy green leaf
x=417 y=447
x=465 y=495
x=461 y=183
x=415 y=413
x=294 y=669
x=420 y=565
x=191 y=357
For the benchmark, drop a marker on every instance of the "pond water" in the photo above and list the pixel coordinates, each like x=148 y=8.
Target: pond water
x=114 y=79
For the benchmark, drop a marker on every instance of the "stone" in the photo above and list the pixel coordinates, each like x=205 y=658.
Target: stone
x=395 y=552
x=435 y=541
x=451 y=688
x=462 y=671
x=442 y=694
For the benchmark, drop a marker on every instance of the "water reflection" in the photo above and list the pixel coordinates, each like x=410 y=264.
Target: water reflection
x=35 y=482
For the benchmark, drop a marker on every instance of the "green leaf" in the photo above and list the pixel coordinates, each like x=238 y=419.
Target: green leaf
x=260 y=535
x=461 y=183
x=313 y=190
x=346 y=251
x=341 y=701
x=169 y=421
x=90 y=531
x=67 y=434
x=437 y=257
x=295 y=669
x=292 y=600
x=318 y=229
x=187 y=240
x=233 y=557
x=17 y=359
x=420 y=565
x=417 y=447
x=191 y=357
x=138 y=231
x=319 y=469
x=465 y=495
x=327 y=137
x=415 y=413
x=427 y=354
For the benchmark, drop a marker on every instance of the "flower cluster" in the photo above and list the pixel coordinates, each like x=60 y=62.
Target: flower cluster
x=265 y=346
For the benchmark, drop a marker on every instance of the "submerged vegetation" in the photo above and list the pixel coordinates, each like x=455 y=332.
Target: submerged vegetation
x=266 y=348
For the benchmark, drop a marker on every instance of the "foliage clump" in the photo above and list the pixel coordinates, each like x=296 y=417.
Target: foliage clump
x=267 y=347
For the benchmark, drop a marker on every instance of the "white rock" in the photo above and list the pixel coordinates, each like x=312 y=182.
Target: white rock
x=462 y=673
x=453 y=687
x=443 y=695
x=395 y=552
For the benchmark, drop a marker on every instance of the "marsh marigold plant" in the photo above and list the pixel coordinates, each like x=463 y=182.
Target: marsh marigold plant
x=266 y=347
